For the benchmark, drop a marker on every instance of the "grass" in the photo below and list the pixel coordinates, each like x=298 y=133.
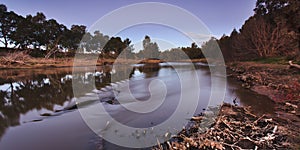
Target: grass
x=272 y=60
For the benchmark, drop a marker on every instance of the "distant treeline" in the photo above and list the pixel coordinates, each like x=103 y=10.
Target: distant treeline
x=37 y=32
x=274 y=30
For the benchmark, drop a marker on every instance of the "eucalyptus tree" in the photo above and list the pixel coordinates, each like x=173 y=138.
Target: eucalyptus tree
x=8 y=25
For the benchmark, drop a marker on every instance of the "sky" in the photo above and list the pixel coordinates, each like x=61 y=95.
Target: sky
x=219 y=16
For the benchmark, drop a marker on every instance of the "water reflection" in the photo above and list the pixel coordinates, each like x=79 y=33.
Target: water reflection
x=49 y=90
x=42 y=90
x=21 y=92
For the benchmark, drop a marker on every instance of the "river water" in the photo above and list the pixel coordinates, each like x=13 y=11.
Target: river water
x=38 y=111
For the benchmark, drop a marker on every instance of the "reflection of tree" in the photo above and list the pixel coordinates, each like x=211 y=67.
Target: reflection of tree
x=45 y=90
x=150 y=70
x=26 y=95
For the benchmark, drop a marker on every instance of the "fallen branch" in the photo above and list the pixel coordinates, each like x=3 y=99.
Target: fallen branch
x=294 y=65
x=18 y=57
x=235 y=128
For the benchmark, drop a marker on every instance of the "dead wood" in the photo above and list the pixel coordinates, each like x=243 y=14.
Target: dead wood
x=294 y=65
x=235 y=128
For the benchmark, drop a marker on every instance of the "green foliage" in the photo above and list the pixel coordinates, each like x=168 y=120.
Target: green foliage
x=36 y=31
x=193 y=52
x=151 y=50
x=8 y=25
x=183 y=53
x=211 y=49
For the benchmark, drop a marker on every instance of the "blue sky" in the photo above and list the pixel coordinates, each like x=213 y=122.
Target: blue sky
x=220 y=16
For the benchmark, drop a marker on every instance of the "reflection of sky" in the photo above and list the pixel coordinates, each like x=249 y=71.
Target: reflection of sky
x=7 y=87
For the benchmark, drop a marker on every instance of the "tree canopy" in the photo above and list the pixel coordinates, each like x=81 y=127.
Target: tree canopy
x=274 y=30
x=38 y=32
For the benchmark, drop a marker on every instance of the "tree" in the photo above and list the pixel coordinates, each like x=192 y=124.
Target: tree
x=226 y=45
x=23 y=37
x=38 y=21
x=146 y=41
x=53 y=32
x=8 y=25
x=151 y=50
x=128 y=50
x=260 y=37
x=85 y=43
x=114 y=47
x=97 y=41
x=211 y=48
x=285 y=13
x=193 y=52
x=274 y=30
x=53 y=37
x=71 y=38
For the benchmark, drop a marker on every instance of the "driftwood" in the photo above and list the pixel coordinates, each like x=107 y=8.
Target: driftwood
x=294 y=65
x=235 y=128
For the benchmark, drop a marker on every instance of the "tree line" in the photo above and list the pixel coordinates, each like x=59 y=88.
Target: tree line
x=273 y=31
x=36 y=32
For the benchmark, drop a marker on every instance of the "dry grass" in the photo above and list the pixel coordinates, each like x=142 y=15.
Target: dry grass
x=15 y=58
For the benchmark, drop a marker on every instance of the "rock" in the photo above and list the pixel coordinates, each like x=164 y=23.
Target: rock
x=46 y=114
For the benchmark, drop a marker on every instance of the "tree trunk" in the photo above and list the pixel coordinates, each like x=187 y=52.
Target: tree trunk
x=5 y=42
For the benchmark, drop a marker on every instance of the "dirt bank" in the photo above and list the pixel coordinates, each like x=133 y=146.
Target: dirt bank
x=42 y=63
x=280 y=82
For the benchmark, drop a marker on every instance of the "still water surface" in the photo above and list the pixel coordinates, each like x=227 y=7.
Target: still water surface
x=37 y=105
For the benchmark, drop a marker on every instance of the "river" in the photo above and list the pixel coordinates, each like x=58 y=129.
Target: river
x=37 y=108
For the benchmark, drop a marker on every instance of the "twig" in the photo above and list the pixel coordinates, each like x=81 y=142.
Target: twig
x=158 y=143
x=255 y=122
x=227 y=124
x=294 y=65
x=231 y=145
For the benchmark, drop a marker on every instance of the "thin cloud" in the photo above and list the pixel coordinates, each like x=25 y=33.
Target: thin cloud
x=199 y=37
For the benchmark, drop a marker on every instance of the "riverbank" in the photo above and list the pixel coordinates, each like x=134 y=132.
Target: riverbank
x=21 y=60
x=239 y=127
x=234 y=128
x=279 y=82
